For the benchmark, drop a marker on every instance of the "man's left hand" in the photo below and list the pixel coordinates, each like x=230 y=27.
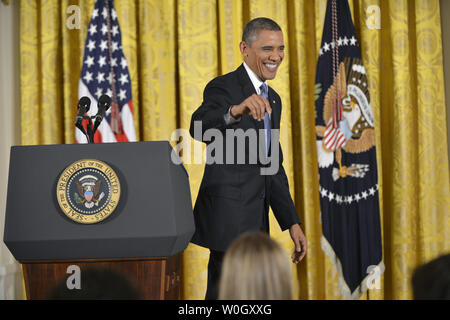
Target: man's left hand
x=299 y=241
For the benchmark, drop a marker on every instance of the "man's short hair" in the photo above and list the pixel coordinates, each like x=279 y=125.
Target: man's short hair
x=254 y=26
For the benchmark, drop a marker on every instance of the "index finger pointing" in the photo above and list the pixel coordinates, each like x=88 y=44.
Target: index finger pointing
x=266 y=105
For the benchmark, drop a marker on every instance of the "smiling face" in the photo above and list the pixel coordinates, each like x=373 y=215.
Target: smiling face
x=265 y=53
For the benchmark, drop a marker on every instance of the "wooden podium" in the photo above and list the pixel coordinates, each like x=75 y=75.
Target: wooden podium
x=155 y=278
x=143 y=238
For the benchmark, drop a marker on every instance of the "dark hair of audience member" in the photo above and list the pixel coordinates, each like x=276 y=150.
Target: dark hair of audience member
x=432 y=280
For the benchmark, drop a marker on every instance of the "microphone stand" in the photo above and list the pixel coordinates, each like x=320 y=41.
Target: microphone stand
x=89 y=127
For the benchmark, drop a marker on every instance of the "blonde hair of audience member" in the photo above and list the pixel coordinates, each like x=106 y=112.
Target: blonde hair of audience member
x=255 y=267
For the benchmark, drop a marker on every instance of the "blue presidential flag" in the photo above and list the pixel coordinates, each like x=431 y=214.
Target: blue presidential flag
x=345 y=137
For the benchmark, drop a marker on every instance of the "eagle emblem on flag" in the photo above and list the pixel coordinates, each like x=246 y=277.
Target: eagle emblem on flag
x=356 y=128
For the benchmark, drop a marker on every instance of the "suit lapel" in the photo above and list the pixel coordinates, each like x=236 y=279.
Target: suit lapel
x=246 y=83
x=276 y=110
x=248 y=89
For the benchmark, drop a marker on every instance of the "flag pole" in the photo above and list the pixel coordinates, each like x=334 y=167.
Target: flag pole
x=116 y=124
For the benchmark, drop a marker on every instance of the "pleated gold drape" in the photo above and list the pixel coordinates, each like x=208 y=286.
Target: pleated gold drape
x=174 y=48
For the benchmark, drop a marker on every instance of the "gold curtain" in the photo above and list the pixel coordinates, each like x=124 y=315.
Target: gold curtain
x=174 y=48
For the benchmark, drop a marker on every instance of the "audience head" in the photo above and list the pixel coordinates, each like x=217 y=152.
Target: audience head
x=255 y=267
x=432 y=280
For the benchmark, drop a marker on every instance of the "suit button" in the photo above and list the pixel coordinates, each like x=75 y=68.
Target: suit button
x=262 y=195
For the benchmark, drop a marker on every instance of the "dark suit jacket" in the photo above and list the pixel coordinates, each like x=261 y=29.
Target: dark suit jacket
x=235 y=198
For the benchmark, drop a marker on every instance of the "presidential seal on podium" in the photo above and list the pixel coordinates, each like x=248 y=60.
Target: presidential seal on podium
x=88 y=191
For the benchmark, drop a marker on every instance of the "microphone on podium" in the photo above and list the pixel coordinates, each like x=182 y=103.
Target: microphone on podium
x=104 y=102
x=83 y=107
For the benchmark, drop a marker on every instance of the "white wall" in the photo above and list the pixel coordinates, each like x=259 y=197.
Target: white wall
x=10 y=271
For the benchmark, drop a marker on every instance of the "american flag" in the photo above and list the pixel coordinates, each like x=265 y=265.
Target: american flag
x=105 y=71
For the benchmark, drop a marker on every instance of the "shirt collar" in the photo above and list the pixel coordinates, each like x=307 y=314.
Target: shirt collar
x=254 y=79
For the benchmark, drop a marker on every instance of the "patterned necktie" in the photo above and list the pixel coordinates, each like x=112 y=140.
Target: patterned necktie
x=264 y=93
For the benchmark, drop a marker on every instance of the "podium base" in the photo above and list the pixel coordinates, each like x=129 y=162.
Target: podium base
x=155 y=278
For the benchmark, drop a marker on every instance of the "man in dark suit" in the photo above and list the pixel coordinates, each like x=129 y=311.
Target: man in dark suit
x=235 y=193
